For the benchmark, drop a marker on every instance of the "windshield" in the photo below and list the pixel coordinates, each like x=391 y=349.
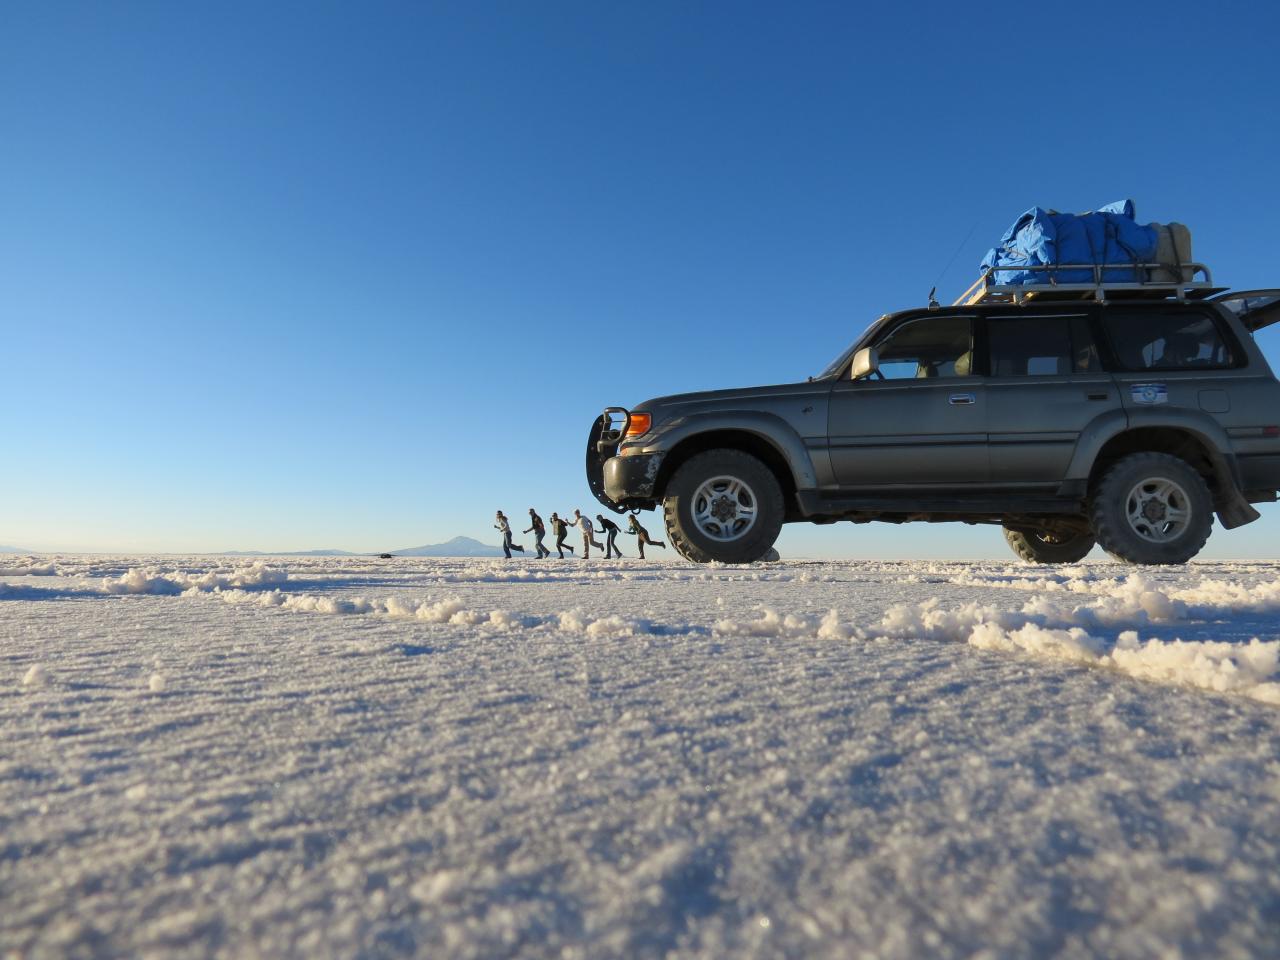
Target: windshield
x=837 y=365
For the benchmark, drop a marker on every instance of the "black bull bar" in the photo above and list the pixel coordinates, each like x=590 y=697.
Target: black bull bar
x=602 y=443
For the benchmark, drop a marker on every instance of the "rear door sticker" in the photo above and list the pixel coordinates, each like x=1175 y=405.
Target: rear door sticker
x=1149 y=393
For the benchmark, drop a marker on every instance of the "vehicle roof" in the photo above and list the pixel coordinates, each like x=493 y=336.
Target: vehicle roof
x=1045 y=305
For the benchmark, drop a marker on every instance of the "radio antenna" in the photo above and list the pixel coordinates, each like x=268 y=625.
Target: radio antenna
x=952 y=261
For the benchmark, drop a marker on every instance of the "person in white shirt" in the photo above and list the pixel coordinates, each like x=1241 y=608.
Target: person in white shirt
x=588 y=533
x=503 y=527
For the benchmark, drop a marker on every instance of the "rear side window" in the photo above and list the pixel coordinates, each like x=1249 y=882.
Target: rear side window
x=1167 y=340
x=1030 y=346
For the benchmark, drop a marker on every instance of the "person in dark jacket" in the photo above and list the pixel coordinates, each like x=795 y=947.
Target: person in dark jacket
x=560 y=530
x=611 y=532
x=642 y=536
x=503 y=527
x=539 y=530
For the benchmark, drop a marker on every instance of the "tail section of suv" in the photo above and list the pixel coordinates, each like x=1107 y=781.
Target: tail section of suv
x=1128 y=423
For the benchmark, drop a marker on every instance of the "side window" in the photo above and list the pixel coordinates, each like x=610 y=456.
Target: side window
x=1087 y=359
x=1166 y=340
x=928 y=347
x=1031 y=346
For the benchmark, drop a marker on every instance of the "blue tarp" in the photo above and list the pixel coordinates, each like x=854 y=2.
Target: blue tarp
x=1106 y=235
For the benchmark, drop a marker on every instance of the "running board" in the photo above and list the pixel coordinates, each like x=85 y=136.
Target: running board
x=814 y=503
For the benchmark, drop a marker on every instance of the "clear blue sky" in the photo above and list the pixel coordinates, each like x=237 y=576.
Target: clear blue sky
x=289 y=276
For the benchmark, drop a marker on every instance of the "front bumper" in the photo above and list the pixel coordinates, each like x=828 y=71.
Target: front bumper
x=619 y=483
x=630 y=480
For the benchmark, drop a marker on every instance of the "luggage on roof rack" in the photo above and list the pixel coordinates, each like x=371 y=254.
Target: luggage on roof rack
x=1173 y=253
x=1098 y=254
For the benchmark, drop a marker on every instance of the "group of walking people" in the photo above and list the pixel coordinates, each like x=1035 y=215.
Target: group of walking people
x=560 y=530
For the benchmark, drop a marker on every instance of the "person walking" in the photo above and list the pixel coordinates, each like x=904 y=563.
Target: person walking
x=503 y=527
x=539 y=530
x=588 y=534
x=642 y=536
x=611 y=532
x=560 y=530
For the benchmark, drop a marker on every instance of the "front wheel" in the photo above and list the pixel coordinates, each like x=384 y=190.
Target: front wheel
x=723 y=505
x=1152 y=508
x=1042 y=546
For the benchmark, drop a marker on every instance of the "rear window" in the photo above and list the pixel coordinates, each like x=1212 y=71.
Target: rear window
x=1167 y=340
x=1030 y=346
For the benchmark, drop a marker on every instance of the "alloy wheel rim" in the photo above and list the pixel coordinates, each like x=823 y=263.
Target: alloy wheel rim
x=724 y=509
x=1158 y=509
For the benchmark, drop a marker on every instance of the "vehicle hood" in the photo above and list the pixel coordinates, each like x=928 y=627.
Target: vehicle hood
x=731 y=399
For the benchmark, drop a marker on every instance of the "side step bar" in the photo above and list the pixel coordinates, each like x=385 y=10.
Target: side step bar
x=815 y=503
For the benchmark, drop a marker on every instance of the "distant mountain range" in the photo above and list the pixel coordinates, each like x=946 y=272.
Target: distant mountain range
x=457 y=547
x=4 y=549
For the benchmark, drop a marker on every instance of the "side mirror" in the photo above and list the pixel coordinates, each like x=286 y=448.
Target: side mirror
x=865 y=363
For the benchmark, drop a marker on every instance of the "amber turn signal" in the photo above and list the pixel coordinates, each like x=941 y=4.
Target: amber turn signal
x=638 y=424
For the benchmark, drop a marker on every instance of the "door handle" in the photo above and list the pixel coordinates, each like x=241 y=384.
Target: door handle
x=957 y=399
x=1097 y=396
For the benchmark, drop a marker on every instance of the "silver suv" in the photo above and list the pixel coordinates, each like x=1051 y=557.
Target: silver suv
x=1126 y=420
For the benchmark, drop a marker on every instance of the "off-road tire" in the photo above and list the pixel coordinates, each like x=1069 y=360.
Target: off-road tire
x=1034 y=548
x=684 y=535
x=1108 y=510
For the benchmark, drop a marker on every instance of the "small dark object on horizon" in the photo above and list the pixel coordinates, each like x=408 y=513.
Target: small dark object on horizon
x=384 y=556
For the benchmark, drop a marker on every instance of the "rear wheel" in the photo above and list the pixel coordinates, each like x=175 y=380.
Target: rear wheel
x=1043 y=546
x=723 y=505
x=1152 y=508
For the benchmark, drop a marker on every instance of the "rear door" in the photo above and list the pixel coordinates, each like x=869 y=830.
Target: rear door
x=1045 y=385
x=920 y=420
x=1174 y=356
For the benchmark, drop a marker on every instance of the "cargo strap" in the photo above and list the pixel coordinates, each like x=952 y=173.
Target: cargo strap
x=1173 y=242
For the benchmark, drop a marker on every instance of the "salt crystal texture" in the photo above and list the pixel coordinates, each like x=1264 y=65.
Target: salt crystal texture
x=475 y=758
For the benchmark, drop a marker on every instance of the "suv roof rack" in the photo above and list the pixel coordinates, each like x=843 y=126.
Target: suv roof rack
x=986 y=290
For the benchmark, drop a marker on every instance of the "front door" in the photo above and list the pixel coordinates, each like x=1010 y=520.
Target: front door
x=920 y=419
